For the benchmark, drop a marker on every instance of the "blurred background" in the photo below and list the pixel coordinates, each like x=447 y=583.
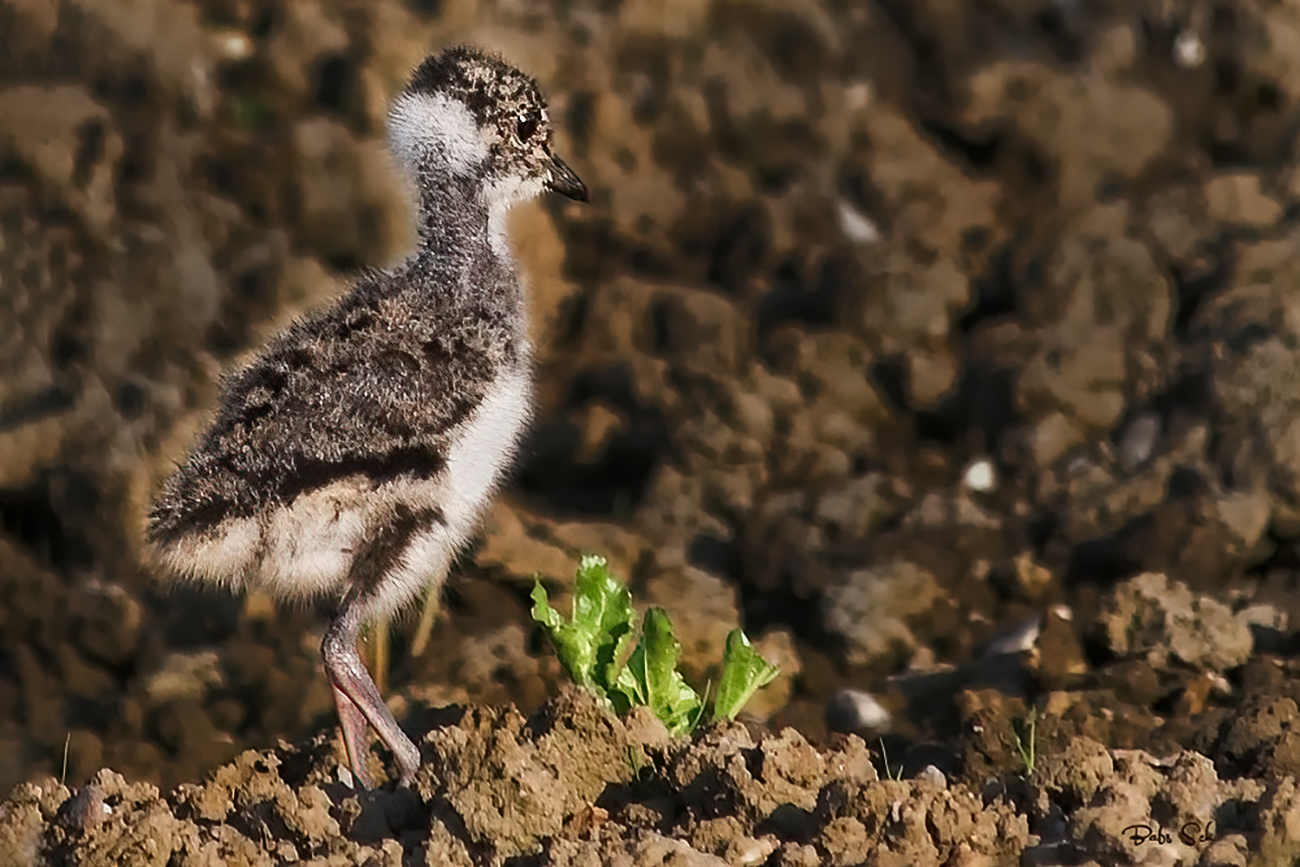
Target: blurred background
x=903 y=333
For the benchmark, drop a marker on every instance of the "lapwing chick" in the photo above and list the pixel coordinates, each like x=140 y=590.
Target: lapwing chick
x=354 y=455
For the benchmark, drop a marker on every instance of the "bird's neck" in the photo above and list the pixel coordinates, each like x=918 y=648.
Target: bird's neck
x=462 y=245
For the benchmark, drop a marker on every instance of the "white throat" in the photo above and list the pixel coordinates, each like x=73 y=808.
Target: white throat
x=500 y=196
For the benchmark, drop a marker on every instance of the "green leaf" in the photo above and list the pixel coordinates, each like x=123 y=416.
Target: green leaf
x=591 y=645
x=743 y=673
x=542 y=612
x=651 y=677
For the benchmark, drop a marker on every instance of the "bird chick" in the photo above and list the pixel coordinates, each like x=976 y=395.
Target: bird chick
x=354 y=455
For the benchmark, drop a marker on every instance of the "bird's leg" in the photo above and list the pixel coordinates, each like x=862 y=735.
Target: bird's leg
x=358 y=699
x=352 y=723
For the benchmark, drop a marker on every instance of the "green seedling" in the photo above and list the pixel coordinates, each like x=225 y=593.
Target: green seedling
x=592 y=649
x=591 y=646
x=651 y=677
x=894 y=773
x=744 y=673
x=633 y=761
x=1026 y=737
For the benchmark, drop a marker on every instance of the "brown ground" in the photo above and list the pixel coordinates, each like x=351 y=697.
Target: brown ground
x=953 y=350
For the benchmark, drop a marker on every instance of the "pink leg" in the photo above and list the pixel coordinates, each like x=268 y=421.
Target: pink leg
x=359 y=702
x=354 y=728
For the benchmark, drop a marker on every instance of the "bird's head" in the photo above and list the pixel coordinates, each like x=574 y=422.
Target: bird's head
x=469 y=114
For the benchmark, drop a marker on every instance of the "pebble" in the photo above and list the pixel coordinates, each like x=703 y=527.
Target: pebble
x=86 y=809
x=1139 y=441
x=1188 y=50
x=980 y=476
x=857 y=227
x=1018 y=640
x=851 y=710
x=932 y=776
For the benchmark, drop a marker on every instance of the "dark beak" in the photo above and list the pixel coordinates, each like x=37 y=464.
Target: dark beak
x=563 y=181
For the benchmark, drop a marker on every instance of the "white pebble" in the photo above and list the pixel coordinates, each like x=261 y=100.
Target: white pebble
x=751 y=851
x=1018 y=640
x=851 y=710
x=1139 y=441
x=234 y=45
x=856 y=226
x=980 y=476
x=858 y=96
x=932 y=776
x=1189 y=50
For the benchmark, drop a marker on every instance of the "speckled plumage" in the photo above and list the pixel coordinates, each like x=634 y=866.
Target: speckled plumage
x=355 y=453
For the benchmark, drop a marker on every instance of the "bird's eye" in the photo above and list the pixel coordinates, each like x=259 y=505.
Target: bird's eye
x=528 y=121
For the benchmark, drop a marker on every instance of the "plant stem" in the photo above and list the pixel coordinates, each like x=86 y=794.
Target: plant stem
x=381 y=656
x=430 y=610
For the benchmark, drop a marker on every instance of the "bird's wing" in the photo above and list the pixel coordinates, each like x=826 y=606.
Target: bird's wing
x=330 y=398
x=382 y=402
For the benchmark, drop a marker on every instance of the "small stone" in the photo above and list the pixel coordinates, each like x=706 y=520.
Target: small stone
x=1018 y=640
x=749 y=850
x=851 y=710
x=932 y=777
x=1139 y=441
x=856 y=226
x=232 y=45
x=1188 y=50
x=980 y=476
x=86 y=809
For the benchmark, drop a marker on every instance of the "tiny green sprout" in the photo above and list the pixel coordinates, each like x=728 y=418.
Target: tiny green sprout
x=636 y=761
x=894 y=773
x=1026 y=737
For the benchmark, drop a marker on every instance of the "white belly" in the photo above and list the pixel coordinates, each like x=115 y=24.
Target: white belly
x=483 y=448
x=306 y=548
